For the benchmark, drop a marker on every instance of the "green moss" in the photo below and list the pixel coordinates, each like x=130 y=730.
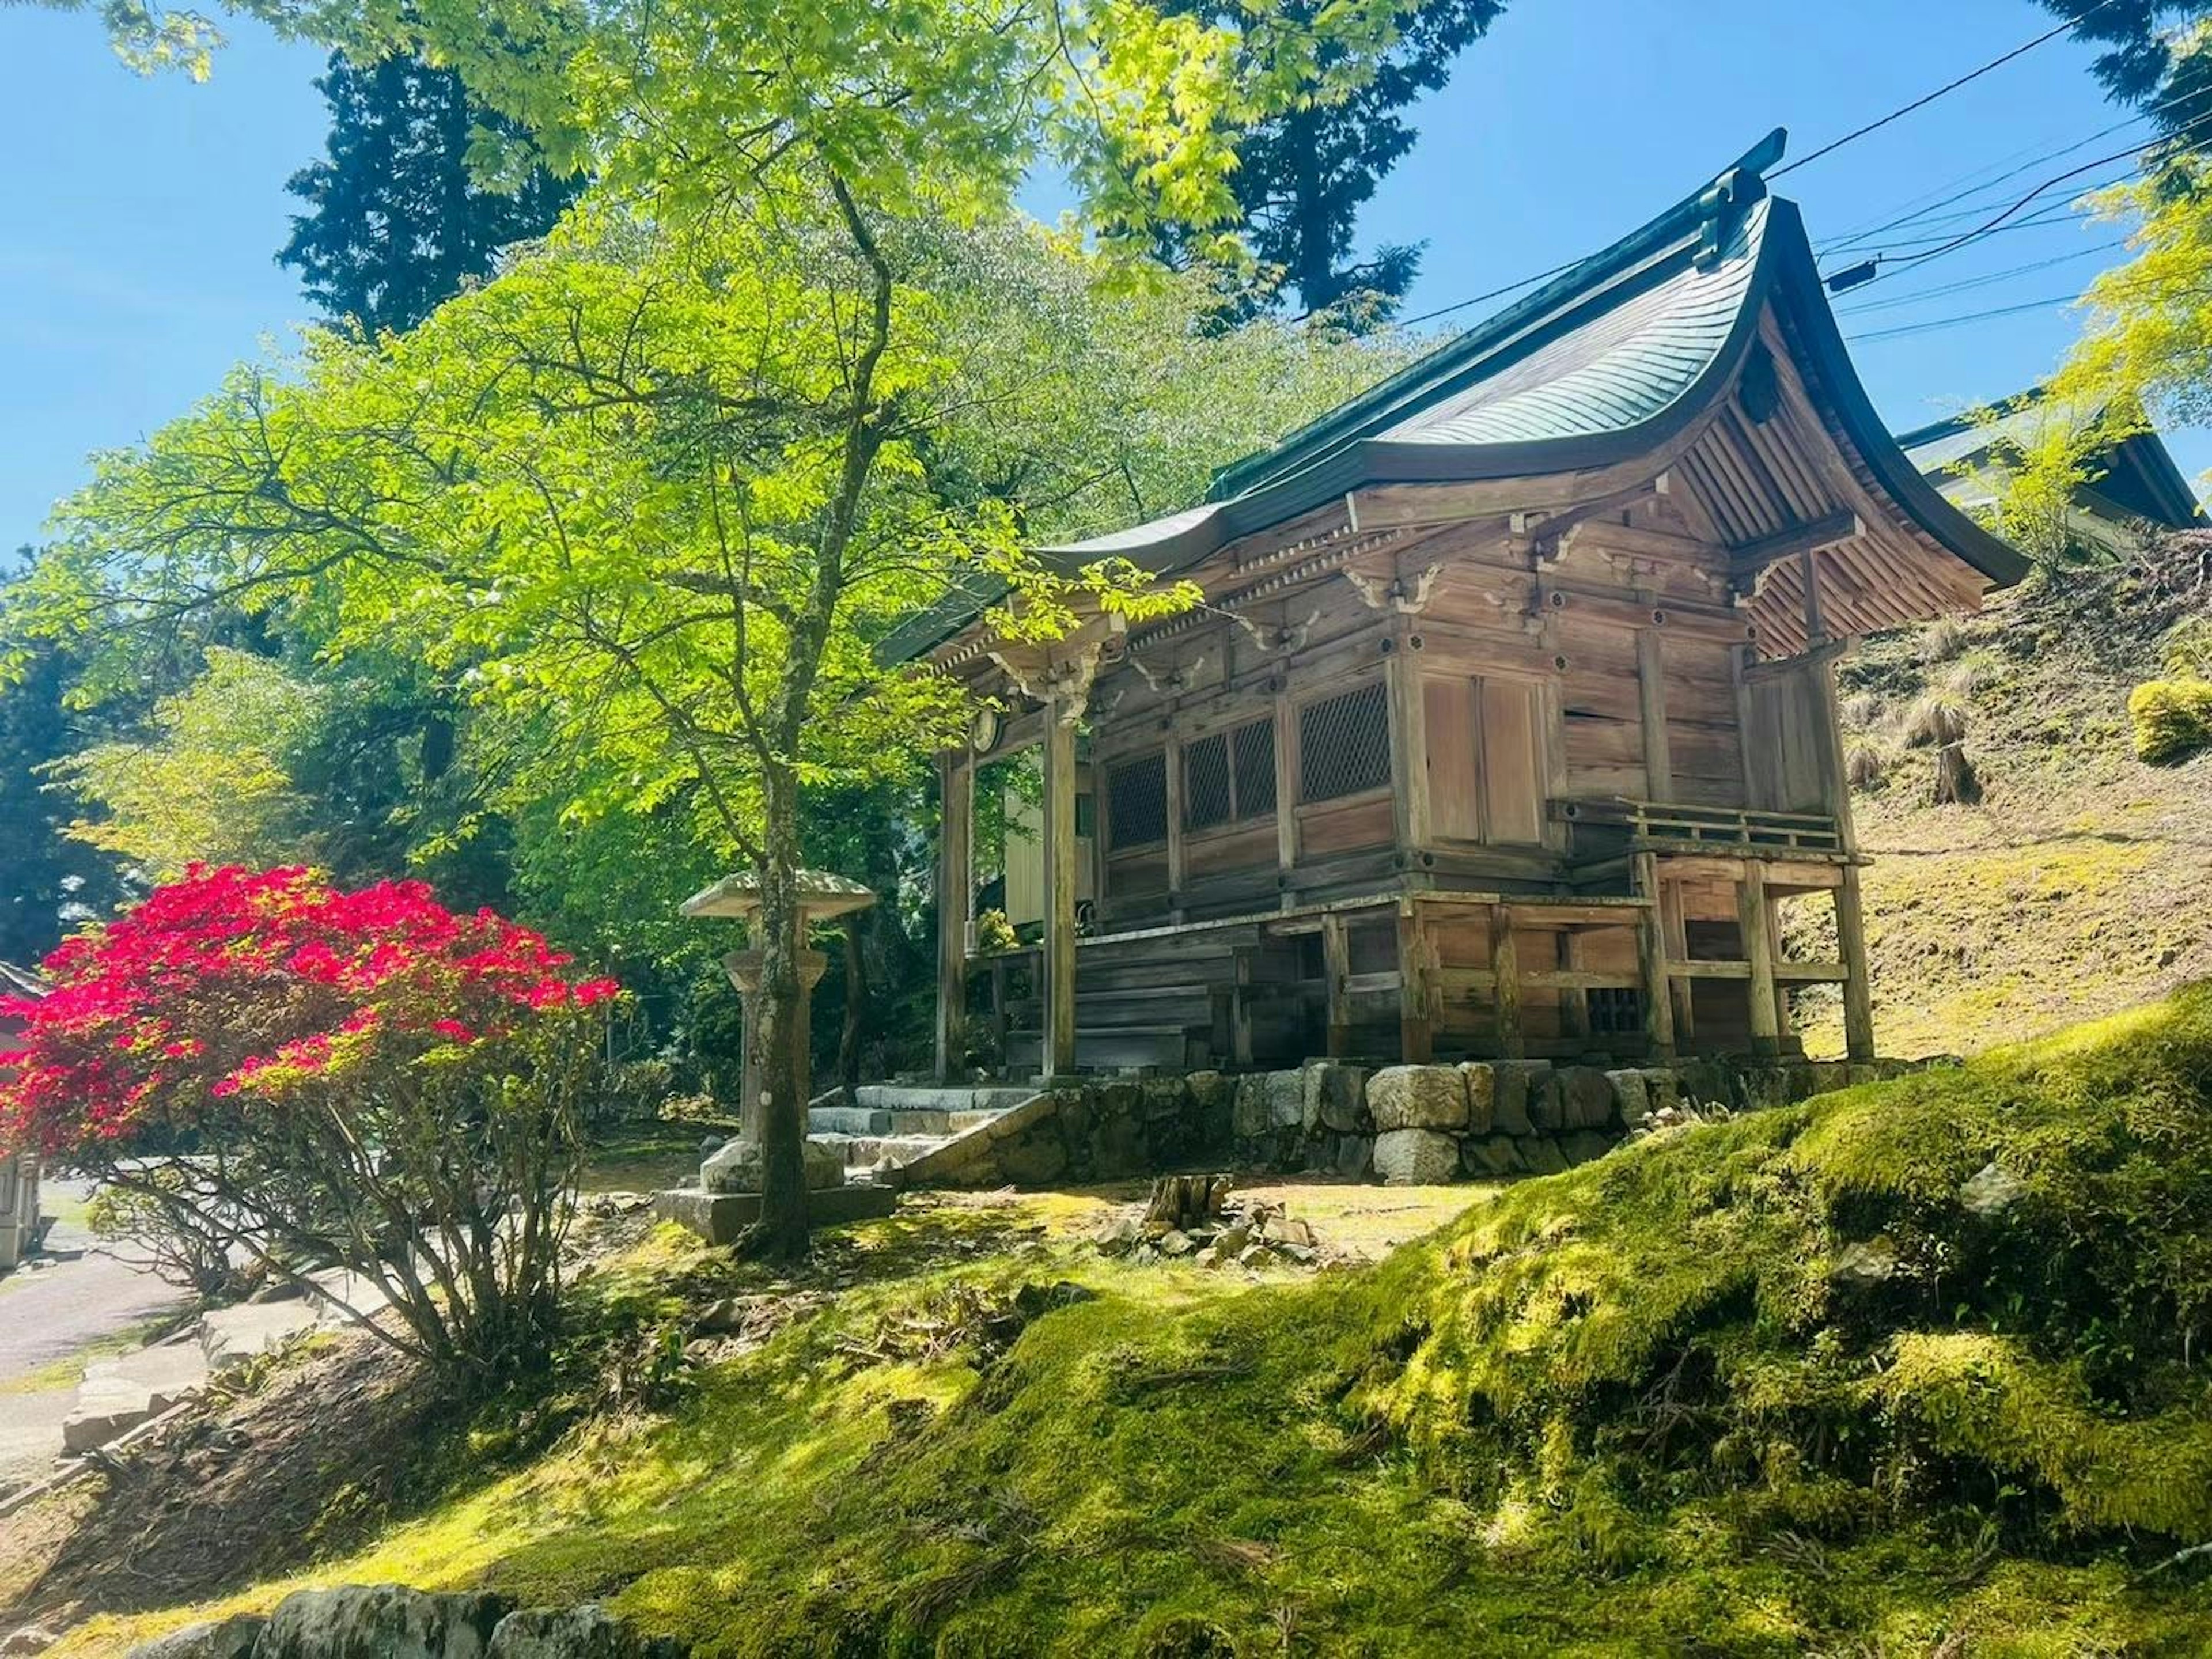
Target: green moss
x=1627 y=1409
x=2171 y=718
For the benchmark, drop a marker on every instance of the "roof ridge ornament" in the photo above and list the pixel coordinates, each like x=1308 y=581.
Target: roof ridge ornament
x=1722 y=204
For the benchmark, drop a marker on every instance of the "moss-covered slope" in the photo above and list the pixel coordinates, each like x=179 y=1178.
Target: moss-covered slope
x=1818 y=1380
x=2075 y=887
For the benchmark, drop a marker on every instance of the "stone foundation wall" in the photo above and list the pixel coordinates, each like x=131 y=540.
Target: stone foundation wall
x=1419 y=1125
x=1403 y=1125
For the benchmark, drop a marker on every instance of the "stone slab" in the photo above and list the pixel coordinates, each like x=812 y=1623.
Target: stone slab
x=718 y=1218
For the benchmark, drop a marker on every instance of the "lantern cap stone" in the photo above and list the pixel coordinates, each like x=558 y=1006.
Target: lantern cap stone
x=821 y=895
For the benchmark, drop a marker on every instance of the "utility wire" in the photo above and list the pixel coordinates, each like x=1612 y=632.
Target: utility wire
x=1494 y=293
x=1987 y=226
x=1932 y=324
x=1927 y=215
x=1922 y=101
x=1921 y=296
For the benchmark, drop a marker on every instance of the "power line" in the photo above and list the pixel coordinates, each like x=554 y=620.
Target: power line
x=1992 y=224
x=1921 y=208
x=1948 y=86
x=1934 y=322
x=1922 y=295
x=1494 y=293
x=1926 y=214
x=2057 y=216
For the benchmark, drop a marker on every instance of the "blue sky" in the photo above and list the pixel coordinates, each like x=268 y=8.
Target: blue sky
x=141 y=217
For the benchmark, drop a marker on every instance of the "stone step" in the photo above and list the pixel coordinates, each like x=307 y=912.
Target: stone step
x=867 y=1121
x=934 y=1097
x=873 y=1152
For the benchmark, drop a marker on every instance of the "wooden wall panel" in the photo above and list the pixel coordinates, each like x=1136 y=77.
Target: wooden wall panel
x=1344 y=826
x=1248 y=845
x=1454 y=736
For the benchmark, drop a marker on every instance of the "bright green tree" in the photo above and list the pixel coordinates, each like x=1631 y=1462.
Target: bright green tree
x=655 y=496
x=666 y=489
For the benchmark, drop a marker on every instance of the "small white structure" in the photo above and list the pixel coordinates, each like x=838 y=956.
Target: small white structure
x=20 y=1228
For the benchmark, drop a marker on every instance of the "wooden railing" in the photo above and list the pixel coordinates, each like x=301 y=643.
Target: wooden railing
x=1672 y=825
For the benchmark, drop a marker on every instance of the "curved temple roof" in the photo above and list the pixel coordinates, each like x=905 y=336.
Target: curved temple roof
x=1606 y=362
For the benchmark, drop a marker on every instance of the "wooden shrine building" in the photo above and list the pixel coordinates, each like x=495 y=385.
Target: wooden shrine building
x=1508 y=724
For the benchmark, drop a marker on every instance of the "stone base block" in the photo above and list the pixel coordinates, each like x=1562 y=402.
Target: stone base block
x=718 y=1218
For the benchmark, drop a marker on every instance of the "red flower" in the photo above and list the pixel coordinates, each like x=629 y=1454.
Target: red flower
x=157 y=1016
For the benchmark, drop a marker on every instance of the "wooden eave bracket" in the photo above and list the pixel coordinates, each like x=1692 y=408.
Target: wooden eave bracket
x=1284 y=635
x=1395 y=592
x=1748 y=559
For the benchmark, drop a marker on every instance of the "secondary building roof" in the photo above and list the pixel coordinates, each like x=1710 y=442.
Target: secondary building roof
x=2138 y=478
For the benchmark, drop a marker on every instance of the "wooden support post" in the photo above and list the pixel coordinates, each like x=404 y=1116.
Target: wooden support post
x=1651 y=941
x=1240 y=1012
x=955 y=896
x=1417 y=1039
x=1061 y=718
x=1759 y=951
x=1674 y=939
x=1171 y=766
x=1336 y=967
x=1505 y=972
x=1651 y=697
x=1287 y=792
x=1409 y=745
x=1858 y=989
x=1574 y=1000
x=1748 y=753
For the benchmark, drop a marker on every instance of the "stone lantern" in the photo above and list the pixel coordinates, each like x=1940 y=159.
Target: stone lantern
x=821 y=897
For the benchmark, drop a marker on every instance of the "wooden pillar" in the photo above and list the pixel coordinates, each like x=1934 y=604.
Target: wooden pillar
x=1060 y=716
x=1858 y=989
x=1752 y=919
x=1651 y=943
x=1749 y=754
x=1417 y=1037
x=1286 y=794
x=1652 y=699
x=1171 y=770
x=1574 y=1000
x=956 y=896
x=1336 y=967
x=1409 y=744
x=1505 y=971
x=1674 y=939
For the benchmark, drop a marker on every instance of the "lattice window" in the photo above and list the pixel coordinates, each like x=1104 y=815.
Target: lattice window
x=1615 y=1012
x=1228 y=777
x=1137 y=801
x=1206 y=787
x=1344 y=744
x=1254 y=746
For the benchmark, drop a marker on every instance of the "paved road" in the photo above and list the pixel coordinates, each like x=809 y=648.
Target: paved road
x=82 y=1295
x=53 y=1312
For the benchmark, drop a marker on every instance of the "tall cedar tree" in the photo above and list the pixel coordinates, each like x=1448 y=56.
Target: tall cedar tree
x=2155 y=55
x=398 y=223
x=1304 y=176
x=44 y=875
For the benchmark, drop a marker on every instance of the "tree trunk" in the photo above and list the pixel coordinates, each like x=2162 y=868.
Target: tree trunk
x=781 y=1234
x=856 y=1010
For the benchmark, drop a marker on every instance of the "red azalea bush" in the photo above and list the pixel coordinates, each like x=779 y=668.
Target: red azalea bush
x=364 y=1078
